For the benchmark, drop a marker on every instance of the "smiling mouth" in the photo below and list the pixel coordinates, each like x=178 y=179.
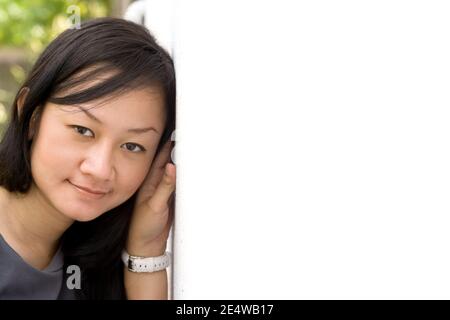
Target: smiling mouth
x=88 y=191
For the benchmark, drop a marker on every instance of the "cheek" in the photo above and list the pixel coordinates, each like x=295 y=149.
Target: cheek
x=51 y=154
x=131 y=178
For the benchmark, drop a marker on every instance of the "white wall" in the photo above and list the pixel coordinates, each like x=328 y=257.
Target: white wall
x=312 y=149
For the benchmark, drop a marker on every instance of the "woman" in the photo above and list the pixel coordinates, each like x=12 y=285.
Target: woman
x=85 y=169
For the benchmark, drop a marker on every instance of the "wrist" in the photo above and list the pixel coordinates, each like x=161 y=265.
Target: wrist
x=146 y=264
x=136 y=248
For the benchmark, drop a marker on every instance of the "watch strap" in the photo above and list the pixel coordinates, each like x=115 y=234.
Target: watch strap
x=146 y=264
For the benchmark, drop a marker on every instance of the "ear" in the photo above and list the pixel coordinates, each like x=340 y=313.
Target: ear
x=20 y=103
x=21 y=99
x=32 y=129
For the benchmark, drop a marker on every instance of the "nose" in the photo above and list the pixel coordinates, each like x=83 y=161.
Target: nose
x=98 y=163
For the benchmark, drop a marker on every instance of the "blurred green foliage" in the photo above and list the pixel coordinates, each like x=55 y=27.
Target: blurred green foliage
x=32 y=24
x=28 y=26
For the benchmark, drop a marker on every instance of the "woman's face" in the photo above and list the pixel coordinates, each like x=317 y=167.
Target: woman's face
x=72 y=150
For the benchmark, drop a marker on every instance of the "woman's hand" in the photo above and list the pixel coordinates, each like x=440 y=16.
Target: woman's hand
x=154 y=209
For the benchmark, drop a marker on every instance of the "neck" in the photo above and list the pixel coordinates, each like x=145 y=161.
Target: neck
x=33 y=227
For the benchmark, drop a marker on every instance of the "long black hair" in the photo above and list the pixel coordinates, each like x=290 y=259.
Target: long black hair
x=129 y=54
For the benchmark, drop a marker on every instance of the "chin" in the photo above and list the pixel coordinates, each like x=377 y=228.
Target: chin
x=84 y=212
x=82 y=216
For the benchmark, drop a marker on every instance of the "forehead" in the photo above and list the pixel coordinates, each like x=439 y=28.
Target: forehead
x=140 y=106
x=105 y=75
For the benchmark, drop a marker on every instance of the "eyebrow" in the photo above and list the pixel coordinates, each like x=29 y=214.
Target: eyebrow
x=133 y=130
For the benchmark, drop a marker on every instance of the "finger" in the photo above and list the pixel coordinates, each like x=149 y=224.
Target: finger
x=164 y=154
x=159 y=200
x=155 y=173
x=157 y=168
x=171 y=216
x=171 y=206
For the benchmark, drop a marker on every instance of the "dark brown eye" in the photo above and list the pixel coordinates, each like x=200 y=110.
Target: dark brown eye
x=132 y=147
x=81 y=130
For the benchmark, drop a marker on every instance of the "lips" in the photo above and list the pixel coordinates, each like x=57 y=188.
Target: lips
x=99 y=192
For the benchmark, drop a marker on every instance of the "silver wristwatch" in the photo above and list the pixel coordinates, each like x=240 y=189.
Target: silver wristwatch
x=146 y=264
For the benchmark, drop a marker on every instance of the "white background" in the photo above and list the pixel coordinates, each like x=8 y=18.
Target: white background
x=312 y=149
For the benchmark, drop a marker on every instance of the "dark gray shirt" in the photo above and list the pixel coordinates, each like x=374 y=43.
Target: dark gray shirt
x=19 y=280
